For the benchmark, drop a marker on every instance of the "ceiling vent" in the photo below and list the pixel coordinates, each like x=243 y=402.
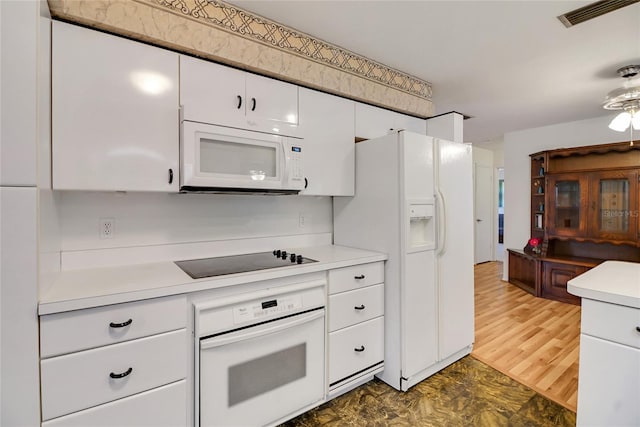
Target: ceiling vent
x=593 y=10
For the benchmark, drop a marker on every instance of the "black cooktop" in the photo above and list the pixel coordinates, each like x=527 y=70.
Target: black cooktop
x=219 y=266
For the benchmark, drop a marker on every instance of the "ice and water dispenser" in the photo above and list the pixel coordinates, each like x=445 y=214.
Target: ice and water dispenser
x=422 y=227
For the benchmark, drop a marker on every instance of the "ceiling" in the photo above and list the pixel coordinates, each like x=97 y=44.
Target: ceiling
x=510 y=65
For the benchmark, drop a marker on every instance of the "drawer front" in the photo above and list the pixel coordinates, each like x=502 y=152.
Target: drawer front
x=164 y=406
x=611 y=322
x=344 y=360
x=80 y=380
x=359 y=305
x=82 y=329
x=354 y=277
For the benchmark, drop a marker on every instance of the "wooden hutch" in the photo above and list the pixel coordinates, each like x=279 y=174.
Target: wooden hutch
x=585 y=209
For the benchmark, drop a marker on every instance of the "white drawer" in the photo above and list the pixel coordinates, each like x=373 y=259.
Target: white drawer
x=82 y=329
x=611 y=322
x=356 y=276
x=359 y=305
x=80 y=380
x=164 y=406
x=344 y=359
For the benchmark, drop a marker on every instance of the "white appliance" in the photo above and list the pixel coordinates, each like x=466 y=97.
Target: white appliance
x=260 y=355
x=414 y=201
x=221 y=159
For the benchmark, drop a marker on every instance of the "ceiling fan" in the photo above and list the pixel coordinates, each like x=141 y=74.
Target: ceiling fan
x=626 y=98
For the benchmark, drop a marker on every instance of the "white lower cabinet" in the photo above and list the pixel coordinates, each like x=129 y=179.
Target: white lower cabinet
x=101 y=375
x=164 y=406
x=355 y=348
x=609 y=377
x=356 y=325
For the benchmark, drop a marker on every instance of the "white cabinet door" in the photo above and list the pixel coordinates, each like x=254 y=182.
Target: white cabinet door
x=164 y=406
x=19 y=378
x=115 y=113
x=410 y=123
x=327 y=126
x=272 y=106
x=372 y=122
x=211 y=93
x=609 y=383
x=219 y=95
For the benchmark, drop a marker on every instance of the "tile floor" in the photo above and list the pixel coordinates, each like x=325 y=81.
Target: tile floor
x=467 y=393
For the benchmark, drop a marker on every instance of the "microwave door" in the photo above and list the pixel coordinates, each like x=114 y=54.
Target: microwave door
x=214 y=157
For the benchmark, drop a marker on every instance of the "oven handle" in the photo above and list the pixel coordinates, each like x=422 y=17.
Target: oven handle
x=249 y=333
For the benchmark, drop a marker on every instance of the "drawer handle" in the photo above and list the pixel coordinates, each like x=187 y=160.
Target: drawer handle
x=122 y=375
x=359 y=307
x=638 y=328
x=121 y=325
x=359 y=349
x=360 y=277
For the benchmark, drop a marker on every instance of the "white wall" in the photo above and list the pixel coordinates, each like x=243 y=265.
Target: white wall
x=147 y=219
x=517 y=166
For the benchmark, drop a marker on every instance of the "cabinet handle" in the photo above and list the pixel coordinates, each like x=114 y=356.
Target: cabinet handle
x=306 y=182
x=122 y=375
x=239 y=102
x=170 y=176
x=638 y=328
x=359 y=307
x=253 y=104
x=359 y=349
x=360 y=277
x=120 y=325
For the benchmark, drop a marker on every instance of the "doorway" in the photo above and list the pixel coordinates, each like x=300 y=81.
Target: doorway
x=500 y=243
x=483 y=213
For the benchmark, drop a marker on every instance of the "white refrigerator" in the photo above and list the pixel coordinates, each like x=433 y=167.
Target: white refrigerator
x=414 y=202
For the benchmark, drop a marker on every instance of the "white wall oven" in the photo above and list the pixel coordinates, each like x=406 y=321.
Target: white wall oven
x=260 y=355
x=221 y=159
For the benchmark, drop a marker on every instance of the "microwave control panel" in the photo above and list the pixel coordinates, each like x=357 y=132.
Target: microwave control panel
x=296 y=162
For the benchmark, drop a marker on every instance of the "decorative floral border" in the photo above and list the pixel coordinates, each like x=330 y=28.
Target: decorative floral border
x=248 y=25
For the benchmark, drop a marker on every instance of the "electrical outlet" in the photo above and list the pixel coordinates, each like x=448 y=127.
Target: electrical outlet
x=301 y=220
x=107 y=228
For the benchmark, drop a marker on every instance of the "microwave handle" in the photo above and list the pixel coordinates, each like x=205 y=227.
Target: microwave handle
x=287 y=159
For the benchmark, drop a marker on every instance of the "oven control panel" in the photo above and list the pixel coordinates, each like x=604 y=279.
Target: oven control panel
x=264 y=309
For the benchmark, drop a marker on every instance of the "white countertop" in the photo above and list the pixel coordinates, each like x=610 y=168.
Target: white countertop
x=616 y=282
x=78 y=289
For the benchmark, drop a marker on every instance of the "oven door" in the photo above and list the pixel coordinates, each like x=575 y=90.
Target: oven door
x=258 y=375
x=220 y=157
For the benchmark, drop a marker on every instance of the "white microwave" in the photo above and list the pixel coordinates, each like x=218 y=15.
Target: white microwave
x=221 y=159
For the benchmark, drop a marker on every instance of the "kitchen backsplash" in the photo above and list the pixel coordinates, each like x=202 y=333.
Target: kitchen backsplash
x=149 y=219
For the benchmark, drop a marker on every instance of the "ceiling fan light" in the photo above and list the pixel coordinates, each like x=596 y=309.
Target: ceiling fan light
x=620 y=122
x=635 y=120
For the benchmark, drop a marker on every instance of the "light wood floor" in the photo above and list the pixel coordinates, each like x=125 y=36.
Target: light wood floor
x=533 y=340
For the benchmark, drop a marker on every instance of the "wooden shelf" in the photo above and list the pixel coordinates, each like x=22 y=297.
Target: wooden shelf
x=571 y=249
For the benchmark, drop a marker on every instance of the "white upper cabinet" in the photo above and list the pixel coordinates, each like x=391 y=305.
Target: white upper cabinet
x=327 y=126
x=215 y=94
x=115 y=113
x=372 y=122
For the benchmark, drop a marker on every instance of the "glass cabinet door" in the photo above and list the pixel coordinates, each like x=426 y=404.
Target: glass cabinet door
x=613 y=205
x=568 y=198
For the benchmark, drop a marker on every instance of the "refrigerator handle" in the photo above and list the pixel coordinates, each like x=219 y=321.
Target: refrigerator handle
x=442 y=223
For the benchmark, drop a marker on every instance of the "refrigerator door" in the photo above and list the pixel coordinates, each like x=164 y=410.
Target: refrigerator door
x=417 y=284
x=454 y=256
